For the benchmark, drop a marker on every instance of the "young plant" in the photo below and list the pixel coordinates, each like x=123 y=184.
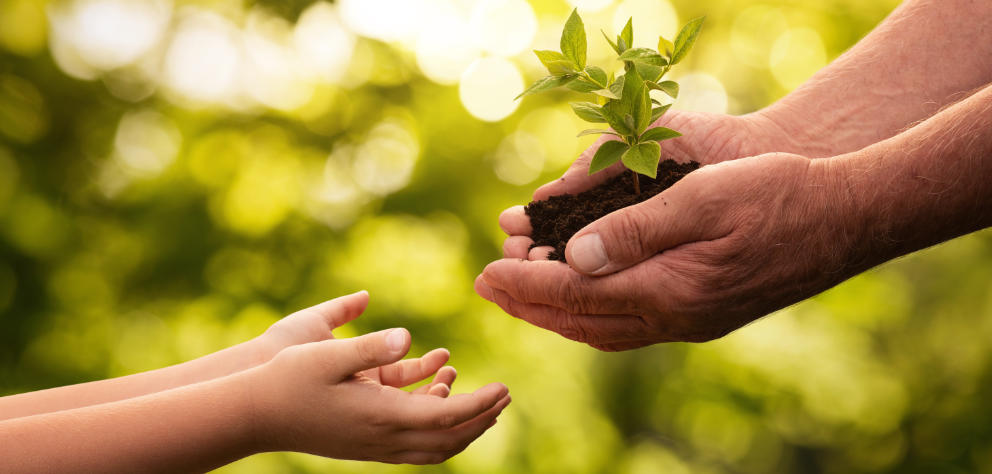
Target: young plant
x=622 y=102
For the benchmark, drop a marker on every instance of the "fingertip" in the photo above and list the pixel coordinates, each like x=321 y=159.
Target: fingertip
x=516 y=246
x=539 y=253
x=484 y=290
x=514 y=221
x=398 y=340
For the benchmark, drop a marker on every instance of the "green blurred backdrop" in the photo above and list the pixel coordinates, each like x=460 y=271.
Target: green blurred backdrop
x=175 y=176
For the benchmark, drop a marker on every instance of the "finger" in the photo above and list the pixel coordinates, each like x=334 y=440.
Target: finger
x=341 y=310
x=445 y=376
x=439 y=390
x=433 y=413
x=540 y=253
x=514 y=221
x=352 y=355
x=453 y=440
x=406 y=372
x=516 y=246
x=624 y=346
x=577 y=178
x=633 y=234
x=595 y=330
x=551 y=283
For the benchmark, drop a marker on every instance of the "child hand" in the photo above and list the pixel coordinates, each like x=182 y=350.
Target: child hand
x=334 y=398
x=315 y=324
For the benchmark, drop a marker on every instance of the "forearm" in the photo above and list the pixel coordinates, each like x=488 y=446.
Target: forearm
x=217 y=364
x=925 y=55
x=924 y=186
x=189 y=429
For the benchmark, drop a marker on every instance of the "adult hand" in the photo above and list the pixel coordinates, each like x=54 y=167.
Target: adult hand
x=316 y=398
x=714 y=138
x=727 y=244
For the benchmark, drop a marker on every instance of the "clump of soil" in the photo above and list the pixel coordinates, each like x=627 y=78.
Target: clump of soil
x=557 y=219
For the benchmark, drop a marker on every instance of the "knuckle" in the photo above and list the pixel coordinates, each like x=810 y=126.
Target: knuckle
x=366 y=351
x=628 y=232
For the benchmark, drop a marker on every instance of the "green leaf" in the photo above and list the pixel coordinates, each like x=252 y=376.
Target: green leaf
x=669 y=87
x=648 y=71
x=666 y=46
x=643 y=112
x=616 y=87
x=628 y=120
x=605 y=93
x=598 y=76
x=612 y=43
x=642 y=158
x=607 y=154
x=556 y=63
x=657 y=112
x=643 y=55
x=583 y=85
x=545 y=83
x=616 y=121
x=627 y=34
x=685 y=39
x=573 y=40
x=588 y=111
x=596 y=131
x=658 y=134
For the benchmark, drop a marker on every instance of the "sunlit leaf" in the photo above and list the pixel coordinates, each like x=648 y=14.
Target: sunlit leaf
x=668 y=87
x=659 y=133
x=596 y=131
x=657 y=112
x=545 y=83
x=608 y=153
x=686 y=38
x=573 y=40
x=598 y=75
x=588 y=111
x=627 y=34
x=643 y=158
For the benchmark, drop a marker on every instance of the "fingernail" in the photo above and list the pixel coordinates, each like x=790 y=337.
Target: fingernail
x=396 y=340
x=588 y=253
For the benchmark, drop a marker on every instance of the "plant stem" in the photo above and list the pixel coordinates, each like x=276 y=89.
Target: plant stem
x=637 y=182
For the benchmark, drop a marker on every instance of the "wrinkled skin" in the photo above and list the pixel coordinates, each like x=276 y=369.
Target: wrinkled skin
x=724 y=246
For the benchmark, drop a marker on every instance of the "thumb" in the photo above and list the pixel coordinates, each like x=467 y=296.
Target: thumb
x=633 y=234
x=373 y=350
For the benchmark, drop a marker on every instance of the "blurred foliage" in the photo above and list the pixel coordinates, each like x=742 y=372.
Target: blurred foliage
x=176 y=176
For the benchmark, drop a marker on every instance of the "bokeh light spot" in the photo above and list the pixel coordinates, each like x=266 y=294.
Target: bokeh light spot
x=652 y=18
x=503 y=27
x=108 y=34
x=701 y=92
x=203 y=59
x=146 y=141
x=519 y=158
x=754 y=32
x=797 y=54
x=488 y=88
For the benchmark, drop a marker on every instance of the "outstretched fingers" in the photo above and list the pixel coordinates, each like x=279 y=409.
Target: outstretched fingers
x=441 y=385
x=433 y=413
x=406 y=372
x=341 y=310
x=451 y=441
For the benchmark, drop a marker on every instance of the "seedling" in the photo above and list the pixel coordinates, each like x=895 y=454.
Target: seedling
x=622 y=102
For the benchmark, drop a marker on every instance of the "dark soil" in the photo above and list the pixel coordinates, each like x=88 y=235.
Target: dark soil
x=557 y=219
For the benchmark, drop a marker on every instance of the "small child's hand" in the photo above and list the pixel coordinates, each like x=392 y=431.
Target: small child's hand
x=333 y=398
x=315 y=324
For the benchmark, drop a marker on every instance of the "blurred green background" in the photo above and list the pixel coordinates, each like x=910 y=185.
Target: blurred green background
x=175 y=176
